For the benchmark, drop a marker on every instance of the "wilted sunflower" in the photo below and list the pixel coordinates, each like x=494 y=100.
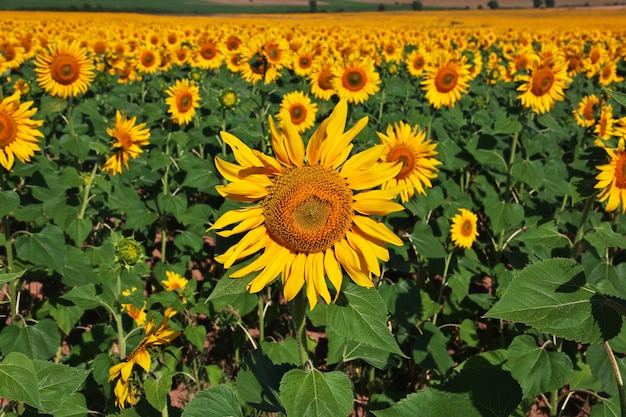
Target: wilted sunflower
x=544 y=86
x=463 y=230
x=130 y=138
x=446 y=80
x=64 y=70
x=416 y=153
x=356 y=80
x=311 y=216
x=298 y=107
x=612 y=179
x=18 y=132
x=183 y=100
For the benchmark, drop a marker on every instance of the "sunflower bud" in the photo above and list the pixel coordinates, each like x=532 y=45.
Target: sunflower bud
x=128 y=251
x=228 y=98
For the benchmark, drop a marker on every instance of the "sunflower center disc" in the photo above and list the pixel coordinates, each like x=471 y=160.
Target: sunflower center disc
x=185 y=103
x=308 y=209
x=64 y=69
x=7 y=130
x=298 y=114
x=445 y=80
x=542 y=81
x=466 y=228
x=354 y=80
x=403 y=154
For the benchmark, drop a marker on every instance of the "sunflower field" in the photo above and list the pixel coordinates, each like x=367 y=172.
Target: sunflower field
x=377 y=214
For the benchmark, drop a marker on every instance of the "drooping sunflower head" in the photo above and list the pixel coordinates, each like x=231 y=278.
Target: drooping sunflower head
x=297 y=106
x=183 y=99
x=409 y=146
x=19 y=137
x=463 y=230
x=64 y=69
x=311 y=208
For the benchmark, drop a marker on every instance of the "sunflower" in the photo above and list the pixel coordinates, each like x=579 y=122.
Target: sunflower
x=298 y=107
x=410 y=147
x=612 y=179
x=607 y=74
x=585 y=113
x=147 y=61
x=18 y=132
x=605 y=126
x=311 y=216
x=129 y=140
x=463 y=229
x=208 y=55
x=446 y=80
x=356 y=80
x=256 y=64
x=137 y=314
x=544 y=85
x=416 y=62
x=174 y=281
x=321 y=81
x=228 y=98
x=303 y=61
x=183 y=100
x=13 y=54
x=64 y=70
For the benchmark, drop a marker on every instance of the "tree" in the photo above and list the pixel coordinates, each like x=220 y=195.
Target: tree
x=537 y=3
x=550 y=3
x=417 y=5
x=313 y=5
x=493 y=4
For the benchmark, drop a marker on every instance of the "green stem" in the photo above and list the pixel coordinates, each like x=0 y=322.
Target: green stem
x=165 y=192
x=86 y=198
x=261 y=308
x=382 y=104
x=13 y=286
x=618 y=378
x=512 y=157
x=581 y=226
x=444 y=281
x=298 y=315
x=118 y=318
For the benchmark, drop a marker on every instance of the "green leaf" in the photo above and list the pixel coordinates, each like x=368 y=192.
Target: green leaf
x=406 y=302
x=77 y=270
x=9 y=201
x=157 y=391
x=284 y=351
x=173 y=204
x=84 y=296
x=40 y=341
x=46 y=248
x=378 y=358
x=536 y=369
x=425 y=242
x=66 y=314
x=51 y=106
x=74 y=406
x=602 y=237
x=56 y=382
x=196 y=335
x=219 y=401
x=8 y=277
x=231 y=286
x=503 y=215
x=530 y=172
x=545 y=234
x=617 y=96
x=79 y=229
x=601 y=367
x=608 y=408
x=360 y=315
x=18 y=379
x=431 y=402
x=258 y=381
x=430 y=349
x=313 y=393
x=553 y=297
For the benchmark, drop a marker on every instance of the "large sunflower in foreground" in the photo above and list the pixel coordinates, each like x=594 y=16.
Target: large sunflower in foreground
x=416 y=153
x=130 y=138
x=311 y=216
x=446 y=80
x=18 y=132
x=544 y=86
x=612 y=179
x=64 y=70
x=183 y=99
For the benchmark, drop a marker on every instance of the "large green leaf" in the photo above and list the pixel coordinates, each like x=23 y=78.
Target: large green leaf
x=430 y=349
x=553 y=297
x=55 y=383
x=46 y=248
x=9 y=201
x=227 y=286
x=74 y=406
x=536 y=369
x=315 y=393
x=39 y=341
x=360 y=315
x=425 y=242
x=8 y=277
x=602 y=369
x=258 y=381
x=219 y=401
x=607 y=408
x=157 y=391
x=18 y=379
x=503 y=215
x=431 y=403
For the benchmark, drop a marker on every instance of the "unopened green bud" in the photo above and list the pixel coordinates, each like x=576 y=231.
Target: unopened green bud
x=128 y=251
x=228 y=98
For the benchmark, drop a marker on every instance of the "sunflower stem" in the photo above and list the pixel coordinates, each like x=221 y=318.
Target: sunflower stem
x=261 y=308
x=9 y=261
x=86 y=198
x=118 y=317
x=581 y=226
x=165 y=193
x=444 y=281
x=298 y=315
x=512 y=157
x=618 y=378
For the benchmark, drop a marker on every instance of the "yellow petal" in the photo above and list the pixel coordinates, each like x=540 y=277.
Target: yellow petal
x=278 y=144
x=292 y=284
x=313 y=149
x=362 y=246
x=249 y=223
x=243 y=154
x=362 y=160
x=318 y=277
x=333 y=270
x=236 y=216
x=373 y=176
x=251 y=239
x=271 y=270
x=242 y=191
x=375 y=206
x=142 y=358
x=294 y=145
x=352 y=264
x=376 y=230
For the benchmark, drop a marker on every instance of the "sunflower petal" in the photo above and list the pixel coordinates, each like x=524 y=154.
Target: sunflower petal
x=376 y=230
x=292 y=283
